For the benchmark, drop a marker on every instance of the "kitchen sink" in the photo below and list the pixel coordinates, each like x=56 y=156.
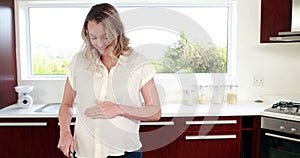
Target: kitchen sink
x=51 y=108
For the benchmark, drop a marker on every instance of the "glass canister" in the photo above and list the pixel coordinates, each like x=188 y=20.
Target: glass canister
x=218 y=94
x=189 y=95
x=203 y=93
x=232 y=94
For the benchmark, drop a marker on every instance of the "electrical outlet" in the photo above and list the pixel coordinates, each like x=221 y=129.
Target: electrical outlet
x=258 y=81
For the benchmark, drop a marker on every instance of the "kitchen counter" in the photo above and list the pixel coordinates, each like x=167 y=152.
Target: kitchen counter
x=242 y=108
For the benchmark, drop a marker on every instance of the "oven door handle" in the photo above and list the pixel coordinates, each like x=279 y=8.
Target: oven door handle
x=282 y=137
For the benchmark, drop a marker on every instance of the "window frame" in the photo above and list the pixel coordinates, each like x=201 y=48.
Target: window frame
x=23 y=35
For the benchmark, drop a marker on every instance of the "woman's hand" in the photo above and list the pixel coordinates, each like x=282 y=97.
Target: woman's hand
x=66 y=143
x=103 y=110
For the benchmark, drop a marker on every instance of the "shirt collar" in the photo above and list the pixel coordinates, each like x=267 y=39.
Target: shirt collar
x=122 y=61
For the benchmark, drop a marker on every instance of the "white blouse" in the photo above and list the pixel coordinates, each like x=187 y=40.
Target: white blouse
x=100 y=138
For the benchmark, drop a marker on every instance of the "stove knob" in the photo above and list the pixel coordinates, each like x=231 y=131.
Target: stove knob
x=293 y=130
x=282 y=128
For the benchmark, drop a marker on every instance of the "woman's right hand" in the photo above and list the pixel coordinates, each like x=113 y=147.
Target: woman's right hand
x=65 y=143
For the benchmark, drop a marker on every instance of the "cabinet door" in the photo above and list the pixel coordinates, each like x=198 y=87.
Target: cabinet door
x=206 y=137
x=275 y=17
x=183 y=139
x=159 y=138
x=26 y=138
x=8 y=71
x=216 y=144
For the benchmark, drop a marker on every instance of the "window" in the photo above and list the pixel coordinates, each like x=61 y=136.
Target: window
x=200 y=41
x=54 y=38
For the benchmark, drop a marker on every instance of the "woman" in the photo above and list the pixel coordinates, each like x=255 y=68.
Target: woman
x=108 y=79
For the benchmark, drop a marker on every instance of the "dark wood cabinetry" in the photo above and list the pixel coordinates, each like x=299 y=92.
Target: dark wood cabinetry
x=250 y=136
x=8 y=72
x=217 y=144
x=178 y=137
x=275 y=17
x=29 y=137
x=217 y=137
x=206 y=137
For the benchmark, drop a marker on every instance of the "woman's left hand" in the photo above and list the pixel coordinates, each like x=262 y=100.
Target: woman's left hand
x=103 y=110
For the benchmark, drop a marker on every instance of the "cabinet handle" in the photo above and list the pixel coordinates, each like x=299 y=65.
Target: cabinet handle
x=233 y=136
x=219 y=122
x=71 y=124
x=282 y=137
x=162 y=123
x=11 y=124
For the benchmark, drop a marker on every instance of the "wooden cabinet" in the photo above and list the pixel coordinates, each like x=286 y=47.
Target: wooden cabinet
x=205 y=137
x=250 y=136
x=275 y=17
x=29 y=137
x=8 y=71
x=26 y=138
x=178 y=137
x=159 y=139
x=217 y=144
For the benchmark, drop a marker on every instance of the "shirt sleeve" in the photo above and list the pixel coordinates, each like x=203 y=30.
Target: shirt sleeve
x=70 y=71
x=147 y=73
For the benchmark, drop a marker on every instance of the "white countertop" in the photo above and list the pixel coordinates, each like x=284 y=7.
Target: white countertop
x=242 y=108
x=14 y=111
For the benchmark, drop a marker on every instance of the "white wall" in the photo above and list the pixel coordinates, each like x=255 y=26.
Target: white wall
x=278 y=64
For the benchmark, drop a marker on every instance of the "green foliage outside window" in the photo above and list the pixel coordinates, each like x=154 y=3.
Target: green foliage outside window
x=185 y=56
x=182 y=56
x=49 y=64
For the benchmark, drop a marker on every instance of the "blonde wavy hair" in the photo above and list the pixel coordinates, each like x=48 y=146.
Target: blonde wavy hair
x=109 y=16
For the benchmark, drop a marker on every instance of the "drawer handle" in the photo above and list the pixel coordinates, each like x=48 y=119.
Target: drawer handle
x=219 y=122
x=162 y=123
x=233 y=136
x=16 y=124
x=282 y=137
x=71 y=124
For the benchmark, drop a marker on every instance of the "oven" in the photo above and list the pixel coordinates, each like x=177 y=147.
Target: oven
x=280 y=133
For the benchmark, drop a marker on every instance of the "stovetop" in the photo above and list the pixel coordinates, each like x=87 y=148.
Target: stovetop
x=285 y=107
x=283 y=117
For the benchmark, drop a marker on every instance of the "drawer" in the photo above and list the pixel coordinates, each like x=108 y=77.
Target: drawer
x=211 y=135
x=212 y=123
x=165 y=122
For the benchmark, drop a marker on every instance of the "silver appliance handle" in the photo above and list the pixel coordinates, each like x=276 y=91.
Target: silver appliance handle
x=282 y=137
x=207 y=137
x=18 y=124
x=161 y=123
